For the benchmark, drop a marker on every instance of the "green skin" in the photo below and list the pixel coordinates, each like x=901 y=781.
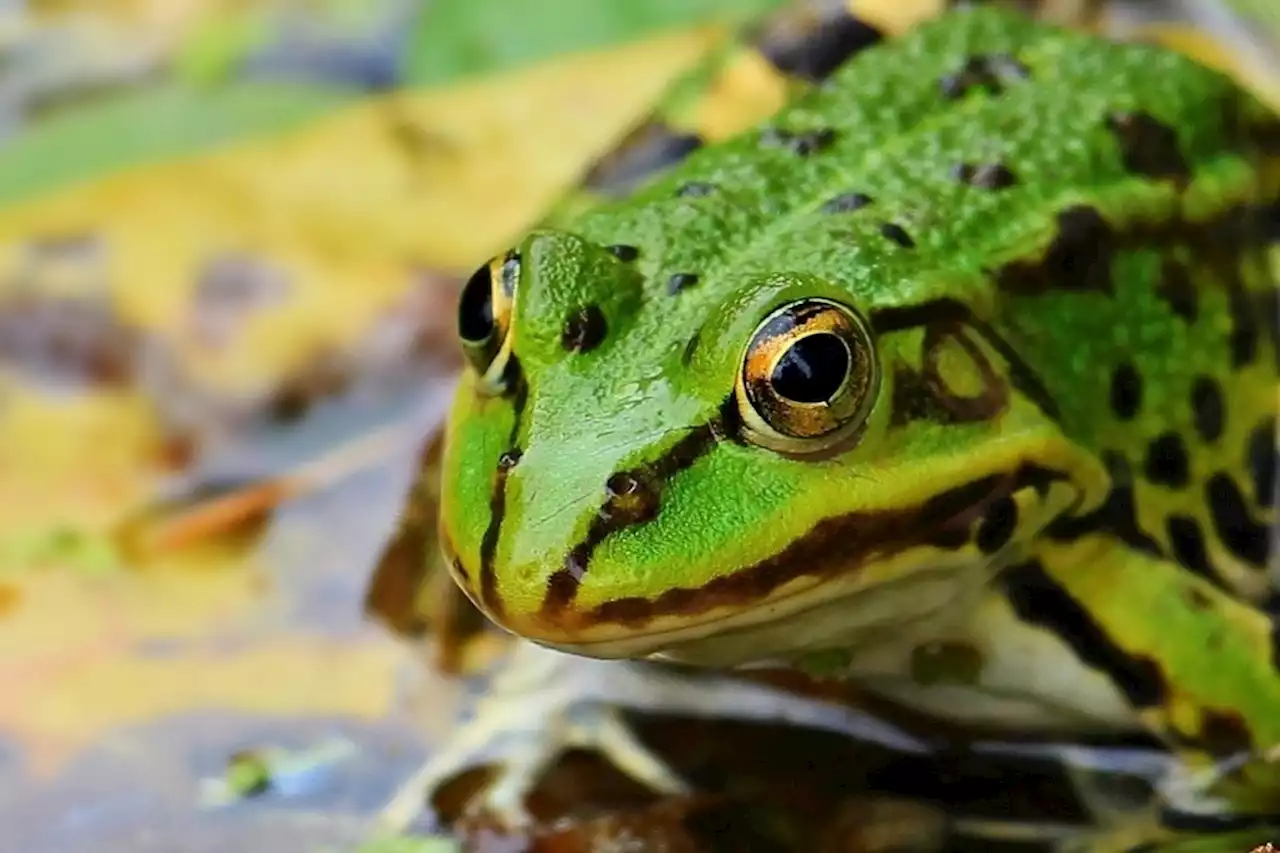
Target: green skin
x=999 y=500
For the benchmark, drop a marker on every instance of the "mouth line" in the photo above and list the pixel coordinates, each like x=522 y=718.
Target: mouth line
x=667 y=643
x=768 y=609
x=835 y=550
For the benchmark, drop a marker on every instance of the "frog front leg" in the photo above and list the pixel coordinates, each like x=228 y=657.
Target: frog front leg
x=540 y=703
x=1196 y=663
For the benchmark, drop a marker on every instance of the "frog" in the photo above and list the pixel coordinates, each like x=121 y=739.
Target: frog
x=953 y=379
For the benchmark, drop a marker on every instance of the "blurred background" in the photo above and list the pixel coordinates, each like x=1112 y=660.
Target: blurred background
x=231 y=234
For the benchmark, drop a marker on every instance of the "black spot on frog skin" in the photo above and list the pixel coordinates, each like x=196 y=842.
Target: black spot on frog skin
x=1167 y=463
x=1187 y=540
x=1269 y=311
x=1265 y=134
x=1039 y=600
x=802 y=143
x=1275 y=642
x=1148 y=147
x=1208 y=409
x=988 y=72
x=681 y=281
x=846 y=203
x=997 y=526
x=695 y=189
x=898 y=234
x=1244 y=537
x=813 y=49
x=1078 y=259
x=584 y=330
x=1262 y=460
x=1197 y=598
x=1126 y=391
x=987 y=176
x=1177 y=290
x=1243 y=340
x=624 y=253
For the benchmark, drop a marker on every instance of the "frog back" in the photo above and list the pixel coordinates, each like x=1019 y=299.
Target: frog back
x=1029 y=212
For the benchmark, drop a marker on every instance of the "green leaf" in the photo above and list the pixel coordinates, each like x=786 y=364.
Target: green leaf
x=213 y=52
x=460 y=37
x=140 y=126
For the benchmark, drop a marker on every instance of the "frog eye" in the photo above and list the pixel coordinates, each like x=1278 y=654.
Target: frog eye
x=808 y=377
x=484 y=315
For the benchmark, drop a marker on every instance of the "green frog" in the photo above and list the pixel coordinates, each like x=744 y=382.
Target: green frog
x=955 y=380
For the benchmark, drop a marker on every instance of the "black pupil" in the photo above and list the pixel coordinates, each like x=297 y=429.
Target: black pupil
x=812 y=370
x=475 y=307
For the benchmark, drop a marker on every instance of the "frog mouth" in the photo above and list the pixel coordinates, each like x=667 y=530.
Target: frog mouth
x=828 y=563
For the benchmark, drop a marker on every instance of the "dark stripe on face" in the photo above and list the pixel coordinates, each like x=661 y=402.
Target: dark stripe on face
x=634 y=497
x=519 y=391
x=1039 y=600
x=810 y=43
x=833 y=546
x=1024 y=379
x=650 y=148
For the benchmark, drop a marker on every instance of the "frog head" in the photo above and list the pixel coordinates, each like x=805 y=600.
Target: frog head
x=754 y=464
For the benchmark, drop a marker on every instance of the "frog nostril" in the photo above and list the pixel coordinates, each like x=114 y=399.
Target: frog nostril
x=508 y=460
x=631 y=500
x=584 y=330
